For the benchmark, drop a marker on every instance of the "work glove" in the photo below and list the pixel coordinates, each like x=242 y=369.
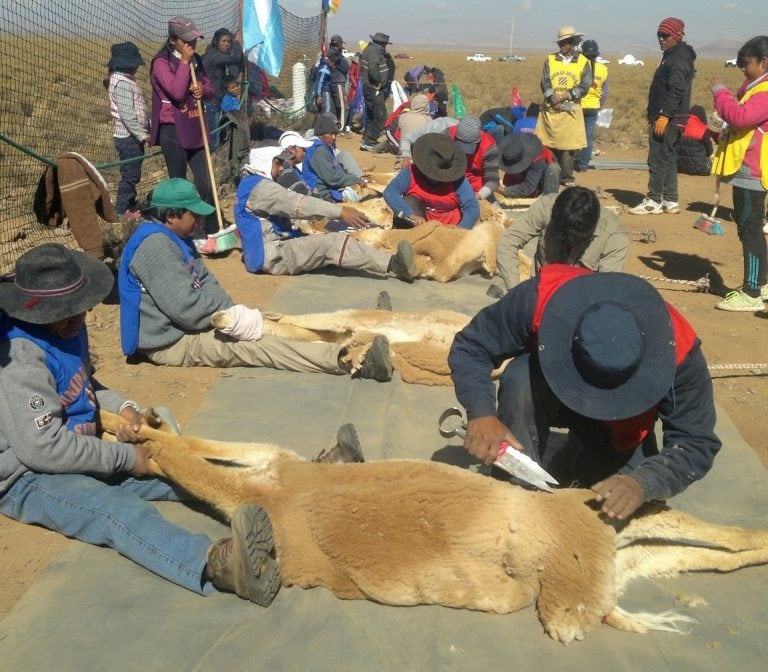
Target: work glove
x=660 y=126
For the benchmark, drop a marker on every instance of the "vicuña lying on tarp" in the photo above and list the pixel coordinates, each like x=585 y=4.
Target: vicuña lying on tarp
x=406 y=532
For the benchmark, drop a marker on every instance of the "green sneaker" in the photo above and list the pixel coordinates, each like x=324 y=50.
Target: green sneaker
x=738 y=301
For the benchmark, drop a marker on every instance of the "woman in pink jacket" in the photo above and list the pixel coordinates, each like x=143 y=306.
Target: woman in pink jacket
x=742 y=160
x=176 y=123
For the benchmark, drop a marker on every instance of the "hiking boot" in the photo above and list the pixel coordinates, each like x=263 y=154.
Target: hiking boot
x=377 y=364
x=647 y=207
x=245 y=564
x=670 y=207
x=402 y=264
x=346 y=450
x=738 y=301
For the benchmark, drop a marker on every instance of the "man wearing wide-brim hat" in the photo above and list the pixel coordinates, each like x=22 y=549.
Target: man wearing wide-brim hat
x=377 y=71
x=433 y=187
x=530 y=169
x=56 y=472
x=565 y=79
x=570 y=228
x=604 y=356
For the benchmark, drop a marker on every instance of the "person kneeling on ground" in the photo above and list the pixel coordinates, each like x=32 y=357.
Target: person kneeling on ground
x=265 y=213
x=434 y=186
x=604 y=356
x=168 y=299
x=569 y=228
x=55 y=471
x=530 y=169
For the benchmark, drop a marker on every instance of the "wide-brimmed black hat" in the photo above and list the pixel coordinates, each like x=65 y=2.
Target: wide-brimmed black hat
x=439 y=157
x=381 y=38
x=517 y=151
x=125 y=55
x=606 y=346
x=53 y=283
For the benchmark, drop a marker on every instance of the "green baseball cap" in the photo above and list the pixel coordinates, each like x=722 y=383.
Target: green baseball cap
x=176 y=192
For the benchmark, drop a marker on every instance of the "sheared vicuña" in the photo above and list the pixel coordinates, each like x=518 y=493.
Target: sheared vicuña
x=407 y=532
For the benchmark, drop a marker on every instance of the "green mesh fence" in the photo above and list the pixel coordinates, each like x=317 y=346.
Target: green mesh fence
x=54 y=57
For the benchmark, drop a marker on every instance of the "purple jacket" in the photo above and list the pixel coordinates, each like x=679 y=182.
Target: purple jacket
x=172 y=103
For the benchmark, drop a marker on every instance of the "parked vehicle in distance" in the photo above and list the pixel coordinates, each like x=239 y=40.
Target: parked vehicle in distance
x=402 y=55
x=602 y=60
x=730 y=63
x=512 y=57
x=629 y=59
x=479 y=57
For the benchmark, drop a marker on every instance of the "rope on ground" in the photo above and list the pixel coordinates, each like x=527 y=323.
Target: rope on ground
x=754 y=369
x=700 y=285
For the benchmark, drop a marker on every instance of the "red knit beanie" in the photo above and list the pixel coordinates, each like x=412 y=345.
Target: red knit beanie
x=675 y=28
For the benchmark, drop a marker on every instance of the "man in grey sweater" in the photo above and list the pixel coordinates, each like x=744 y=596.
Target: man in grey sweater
x=168 y=297
x=56 y=472
x=569 y=228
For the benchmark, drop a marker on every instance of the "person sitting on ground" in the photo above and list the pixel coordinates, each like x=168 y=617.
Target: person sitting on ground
x=168 y=298
x=294 y=148
x=436 y=78
x=569 y=228
x=434 y=187
x=530 y=169
x=324 y=171
x=411 y=115
x=604 y=356
x=54 y=470
x=694 y=150
x=482 y=167
x=268 y=218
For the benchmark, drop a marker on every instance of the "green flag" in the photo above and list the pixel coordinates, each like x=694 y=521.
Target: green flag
x=459 y=110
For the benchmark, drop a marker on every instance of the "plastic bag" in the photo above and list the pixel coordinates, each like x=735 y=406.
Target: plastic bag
x=604 y=117
x=459 y=109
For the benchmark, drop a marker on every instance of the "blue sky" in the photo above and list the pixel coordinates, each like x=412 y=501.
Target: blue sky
x=479 y=24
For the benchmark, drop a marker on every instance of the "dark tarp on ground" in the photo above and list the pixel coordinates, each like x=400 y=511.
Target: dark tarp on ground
x=92 y=610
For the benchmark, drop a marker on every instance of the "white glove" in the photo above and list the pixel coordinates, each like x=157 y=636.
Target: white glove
x=240 y=322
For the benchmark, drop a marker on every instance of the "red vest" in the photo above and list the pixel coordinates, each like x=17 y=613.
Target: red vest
x=626 y=434
x=439 y=198
x=476 y=161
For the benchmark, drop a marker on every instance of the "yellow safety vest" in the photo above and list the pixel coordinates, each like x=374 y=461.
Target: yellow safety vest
x=735 y=142
x=564 y=76
x=591 y=101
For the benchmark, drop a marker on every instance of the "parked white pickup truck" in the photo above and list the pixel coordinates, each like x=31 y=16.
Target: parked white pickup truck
x=479 y=57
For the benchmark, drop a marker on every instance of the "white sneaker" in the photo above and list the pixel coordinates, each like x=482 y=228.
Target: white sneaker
x=647 y=207
x=670 y=207
x=765 y=226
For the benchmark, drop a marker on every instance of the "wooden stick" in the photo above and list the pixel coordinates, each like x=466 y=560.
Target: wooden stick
x=207 y=148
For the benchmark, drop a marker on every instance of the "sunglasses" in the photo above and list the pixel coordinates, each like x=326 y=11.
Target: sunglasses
x=663 y=36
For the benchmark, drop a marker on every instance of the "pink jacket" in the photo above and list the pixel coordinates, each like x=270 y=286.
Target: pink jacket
x=752 y=113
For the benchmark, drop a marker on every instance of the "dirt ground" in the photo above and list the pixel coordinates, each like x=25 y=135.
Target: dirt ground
x=679 y=252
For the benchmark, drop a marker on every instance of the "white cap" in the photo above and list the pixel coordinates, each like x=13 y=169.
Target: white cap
x=292 y=138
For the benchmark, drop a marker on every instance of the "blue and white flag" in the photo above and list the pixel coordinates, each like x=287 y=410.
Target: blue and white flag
x=263 y=35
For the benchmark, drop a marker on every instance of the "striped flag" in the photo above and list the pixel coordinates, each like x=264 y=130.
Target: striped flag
x=263 y=35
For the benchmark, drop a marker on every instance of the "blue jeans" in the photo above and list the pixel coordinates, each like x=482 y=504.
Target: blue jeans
x=529 y=408
x=585 y=155
x=662 y=165
x=130 y=173
x=116 y=514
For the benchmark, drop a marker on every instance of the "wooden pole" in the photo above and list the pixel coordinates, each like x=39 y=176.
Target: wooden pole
x=207 y=148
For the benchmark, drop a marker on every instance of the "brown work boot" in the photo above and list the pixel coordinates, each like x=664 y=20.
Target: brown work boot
x=346 y=450
x=245 y=564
